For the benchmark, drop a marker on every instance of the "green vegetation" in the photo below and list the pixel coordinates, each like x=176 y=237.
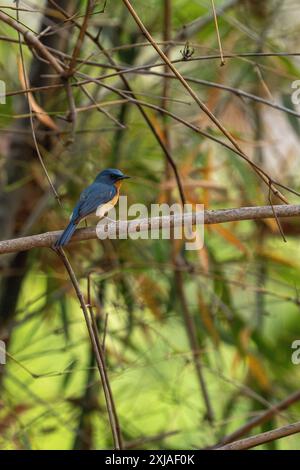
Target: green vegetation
x=196 y=343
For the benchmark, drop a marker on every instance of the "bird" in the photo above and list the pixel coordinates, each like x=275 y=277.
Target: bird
x=99 y=197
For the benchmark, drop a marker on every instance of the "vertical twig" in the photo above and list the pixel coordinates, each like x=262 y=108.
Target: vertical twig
x=166 y=88
x=80 y=39
x=72 y=115
x=218 y=32
x=27 y=86
x=192 y=336
x=111 y=409
x=188 y=319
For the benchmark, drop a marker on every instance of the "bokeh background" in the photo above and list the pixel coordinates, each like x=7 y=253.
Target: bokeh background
x=196 y=343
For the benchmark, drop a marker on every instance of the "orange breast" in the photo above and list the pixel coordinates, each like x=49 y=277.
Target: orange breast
x=104 y=208
x=115 y=199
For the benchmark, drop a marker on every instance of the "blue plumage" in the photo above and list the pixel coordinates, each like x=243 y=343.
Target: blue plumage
x=66 y=235
x=100 y=192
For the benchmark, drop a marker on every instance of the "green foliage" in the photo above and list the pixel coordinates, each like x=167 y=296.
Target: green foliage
x=240 y=292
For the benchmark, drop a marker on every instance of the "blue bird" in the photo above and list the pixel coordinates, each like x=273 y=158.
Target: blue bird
x=99 y=197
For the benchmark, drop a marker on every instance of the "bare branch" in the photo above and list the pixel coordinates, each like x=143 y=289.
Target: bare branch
x=32 y=41
x=202 y=106
x=80 y=39
x=113 y=418
x=210 y=217
x=262 y=418
x=263 y=438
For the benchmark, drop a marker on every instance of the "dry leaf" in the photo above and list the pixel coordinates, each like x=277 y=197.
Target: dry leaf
x=42 y=116
x=207 y=320
x=230 y=237
x=258 y=371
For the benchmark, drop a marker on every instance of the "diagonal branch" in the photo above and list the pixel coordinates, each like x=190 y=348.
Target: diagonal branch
x=263 y=438
x=194 y=95
x=33 y=41
x=80 y=39
x=262 y=418
x=140 y=107
x=99 y=356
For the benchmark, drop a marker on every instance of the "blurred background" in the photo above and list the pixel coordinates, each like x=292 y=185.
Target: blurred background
x=196 y=343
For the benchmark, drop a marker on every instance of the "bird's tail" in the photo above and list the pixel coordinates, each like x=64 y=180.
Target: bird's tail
x=66 y=235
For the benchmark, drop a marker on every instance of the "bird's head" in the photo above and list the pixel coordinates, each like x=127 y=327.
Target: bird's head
x=110 y=176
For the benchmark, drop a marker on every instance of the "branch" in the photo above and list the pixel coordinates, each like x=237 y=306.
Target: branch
x=141 y=109
x=261 y=418
x=33 y=41
x=144 y=225
x=195 y=128
x=89 y=9
x=195 y=97
x=196 y=25
x=235 y=91
x=259 y=439
x=99 y=356
x=194 y=344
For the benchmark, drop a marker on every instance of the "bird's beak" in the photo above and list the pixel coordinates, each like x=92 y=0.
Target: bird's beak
x=124 y=177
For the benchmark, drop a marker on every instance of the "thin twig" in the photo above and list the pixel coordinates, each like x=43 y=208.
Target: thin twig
x=192 y=336
x=218 y=32
x=259 y=171
x=202 y=106
x=80 y=39
x=27 y=85
x=72 y=111
x=113 y=418
x=235 y=91
x=263 y=438
x=261 y=418
x=32 y=41
x=141 y=109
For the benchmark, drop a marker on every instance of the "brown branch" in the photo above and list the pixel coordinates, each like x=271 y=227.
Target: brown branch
x=202 y=106
x=139 y=106
x=33 y=41
x=144 y=70
x=218 y=32
x=210 y=217
x=263 y=438
x=261 y=418
x=113 y=418
x=34 y=138
x=235 y=91
x=195 y=128
x=192 y=337
x=80 y=39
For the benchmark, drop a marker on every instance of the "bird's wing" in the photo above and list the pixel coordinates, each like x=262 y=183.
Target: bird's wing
x=91 y=198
